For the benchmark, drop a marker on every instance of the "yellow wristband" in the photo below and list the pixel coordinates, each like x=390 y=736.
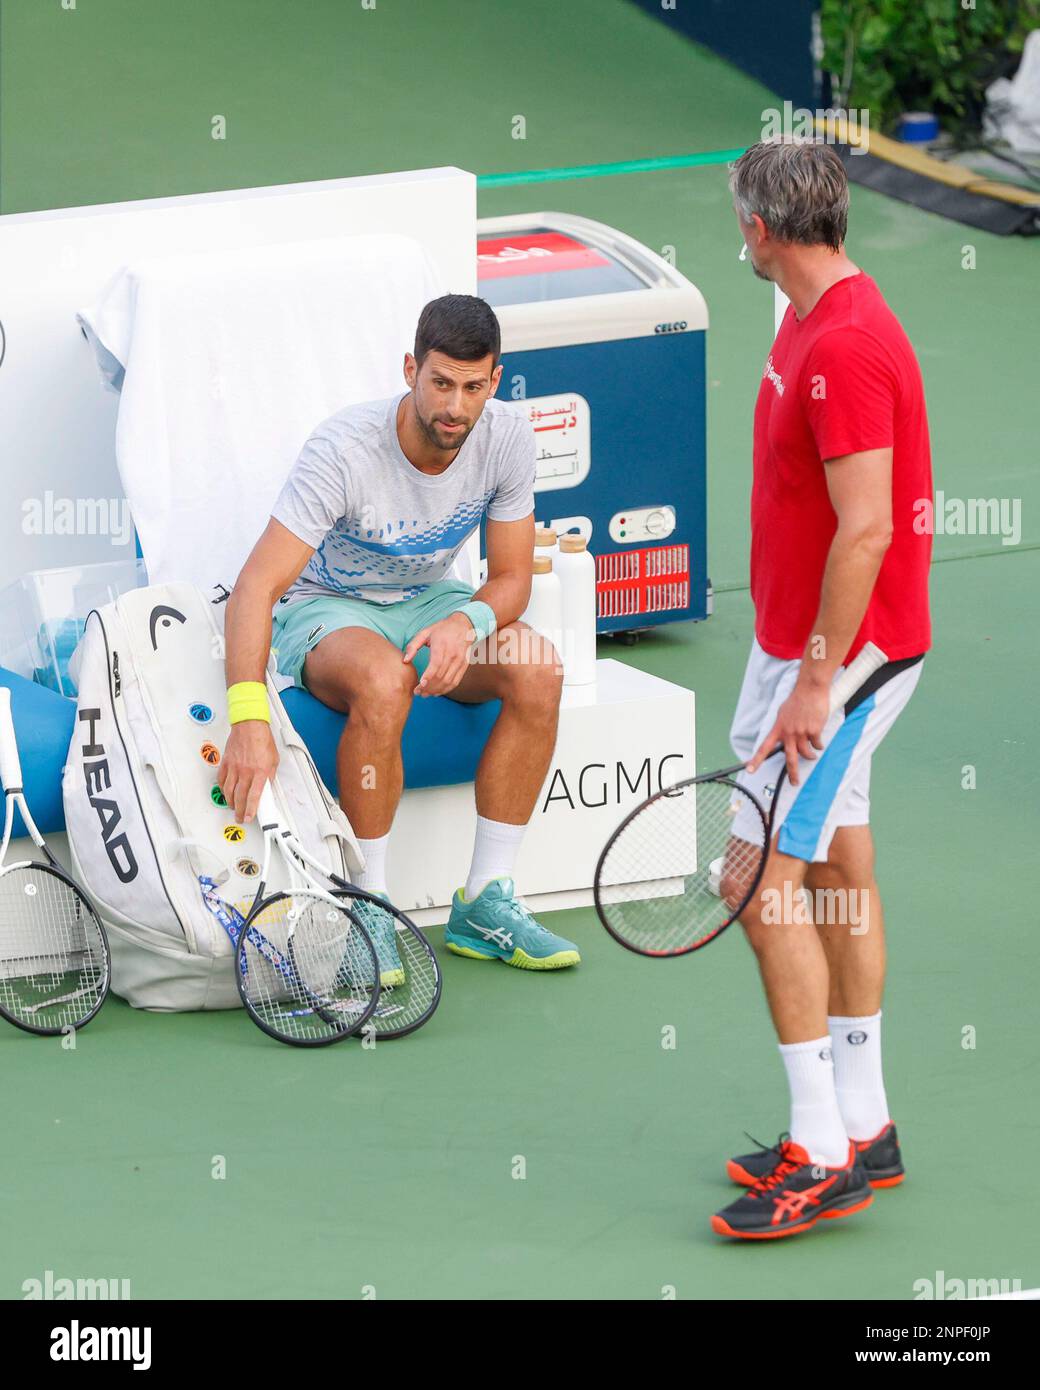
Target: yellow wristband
x=248 y=700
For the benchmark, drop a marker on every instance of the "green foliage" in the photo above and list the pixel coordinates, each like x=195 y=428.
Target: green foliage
x=891 y=56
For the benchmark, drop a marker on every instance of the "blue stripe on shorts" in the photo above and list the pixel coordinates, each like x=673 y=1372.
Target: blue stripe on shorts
x=803 y=824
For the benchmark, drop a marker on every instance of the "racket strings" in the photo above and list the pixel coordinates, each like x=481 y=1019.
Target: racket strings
x=306 y=969
x=53 y=960
x=405 y=1003
x=682 y=867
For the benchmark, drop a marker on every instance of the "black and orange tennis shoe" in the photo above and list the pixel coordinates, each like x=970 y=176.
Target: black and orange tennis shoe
x=794 y=1195
x=880 y=1156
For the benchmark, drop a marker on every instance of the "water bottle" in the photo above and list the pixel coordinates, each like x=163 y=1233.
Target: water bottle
x=544 y=609
x=576 y=570
x=545 y=542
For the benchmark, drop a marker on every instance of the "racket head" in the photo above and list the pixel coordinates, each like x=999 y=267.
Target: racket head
x=306 y=969
x=403 y=1007
x=55 y=966
x=682 y=866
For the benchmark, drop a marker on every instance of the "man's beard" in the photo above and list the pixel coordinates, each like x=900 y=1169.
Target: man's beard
x=454 y=442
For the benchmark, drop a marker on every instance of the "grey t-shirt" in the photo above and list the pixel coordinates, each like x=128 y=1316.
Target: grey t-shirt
x=383 y=530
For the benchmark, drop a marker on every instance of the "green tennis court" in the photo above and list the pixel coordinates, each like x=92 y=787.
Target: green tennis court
x=537 y=1139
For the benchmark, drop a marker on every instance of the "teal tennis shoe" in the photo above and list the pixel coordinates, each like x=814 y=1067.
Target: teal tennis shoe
x=380 y=927
x=495 y=925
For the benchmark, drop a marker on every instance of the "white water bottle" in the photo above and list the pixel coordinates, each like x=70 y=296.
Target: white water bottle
x=577 y=574
x=545 y=542
x=544 y=611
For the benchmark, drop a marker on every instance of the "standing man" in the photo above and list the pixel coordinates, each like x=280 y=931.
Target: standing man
x=354 y=562
x=841 y=455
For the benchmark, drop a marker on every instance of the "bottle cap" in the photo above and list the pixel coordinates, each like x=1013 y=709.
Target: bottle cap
x=544 y=535
x=571 y=545
x=543 y=564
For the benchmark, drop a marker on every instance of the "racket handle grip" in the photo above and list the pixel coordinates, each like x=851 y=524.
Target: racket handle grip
x=857 y=673
x=10 y=764
x=267 y=809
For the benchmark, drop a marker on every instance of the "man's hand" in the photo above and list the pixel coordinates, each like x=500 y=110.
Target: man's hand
x=799 y=727
x=449 y=642
x=249 y=762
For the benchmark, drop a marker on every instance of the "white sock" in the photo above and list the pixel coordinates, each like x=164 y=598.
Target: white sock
x=816 y=1122
x=857 y=1074
x=373 y=877
x=495 y=847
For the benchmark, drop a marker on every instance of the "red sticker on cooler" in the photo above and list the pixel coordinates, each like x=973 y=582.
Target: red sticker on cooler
x=533 y=253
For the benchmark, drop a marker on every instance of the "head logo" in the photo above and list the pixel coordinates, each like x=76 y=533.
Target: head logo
x=166 y=614
x=98 y=778
x=825 y=1054
x=856 y=1038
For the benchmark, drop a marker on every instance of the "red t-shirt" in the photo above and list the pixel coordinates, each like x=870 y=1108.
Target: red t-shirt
x=842 y=380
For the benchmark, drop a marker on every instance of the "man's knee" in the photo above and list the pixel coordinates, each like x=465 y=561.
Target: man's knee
x=383 y=697
x=374 y=687
x=778 y=901
x=850 y=859
x=529 y=664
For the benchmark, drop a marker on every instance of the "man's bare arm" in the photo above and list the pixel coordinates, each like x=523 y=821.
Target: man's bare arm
x=510 y=552
x=250 y=757
x=277 y=559
x=860 y=488
x=510 y=557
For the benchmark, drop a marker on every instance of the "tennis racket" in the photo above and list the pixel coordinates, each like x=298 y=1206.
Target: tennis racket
x=684 y=864
x=306 y=968
x=55 y=968
x=408 y=1004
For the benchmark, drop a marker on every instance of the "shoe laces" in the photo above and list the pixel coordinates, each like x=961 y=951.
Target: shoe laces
x=777 y=1148
x=779 y=1174
x=523 y=914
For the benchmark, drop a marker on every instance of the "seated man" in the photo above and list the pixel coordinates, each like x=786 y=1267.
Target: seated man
x=380 y=501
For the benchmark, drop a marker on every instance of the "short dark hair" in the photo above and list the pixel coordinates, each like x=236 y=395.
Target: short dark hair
x=799 y=188
x=461 y=326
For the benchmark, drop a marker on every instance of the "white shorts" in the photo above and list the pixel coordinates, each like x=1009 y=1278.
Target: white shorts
x=834 y=788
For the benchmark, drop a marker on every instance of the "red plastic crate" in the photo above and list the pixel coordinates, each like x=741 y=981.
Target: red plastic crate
x=654 y=580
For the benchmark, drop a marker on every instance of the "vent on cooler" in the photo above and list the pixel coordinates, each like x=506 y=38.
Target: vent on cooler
x=656 y=580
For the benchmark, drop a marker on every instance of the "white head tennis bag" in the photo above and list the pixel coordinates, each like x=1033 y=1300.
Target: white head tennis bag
x=145 y=818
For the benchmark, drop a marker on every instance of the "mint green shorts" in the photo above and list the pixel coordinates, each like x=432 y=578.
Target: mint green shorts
x=300 y=626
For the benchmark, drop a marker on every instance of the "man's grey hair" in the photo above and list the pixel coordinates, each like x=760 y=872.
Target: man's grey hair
x=798 y=188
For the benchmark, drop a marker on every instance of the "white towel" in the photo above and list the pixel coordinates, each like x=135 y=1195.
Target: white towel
x=1013 y=107
x=226 y=362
